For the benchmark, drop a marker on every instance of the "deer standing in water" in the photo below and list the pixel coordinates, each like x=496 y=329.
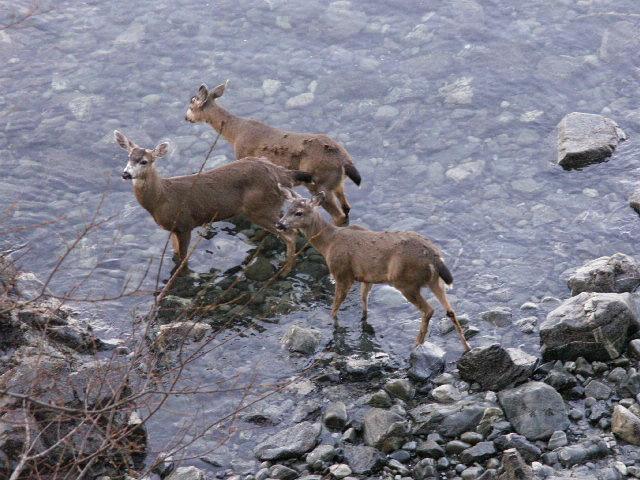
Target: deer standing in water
x=405 y=260
x=179 y=204
x=325 y=159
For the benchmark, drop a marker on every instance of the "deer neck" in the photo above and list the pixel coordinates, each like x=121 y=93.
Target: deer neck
x=224 y=122
x=149 y=190
x=320 y=233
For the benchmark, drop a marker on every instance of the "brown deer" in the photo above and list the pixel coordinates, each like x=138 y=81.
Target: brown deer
x=404 y=260
x=325 y=159
x=179 y=204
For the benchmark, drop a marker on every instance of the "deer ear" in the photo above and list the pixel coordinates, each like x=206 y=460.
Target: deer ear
x=218 y=91
x=203 y=93
x=288 y=194
x=318 y=199
x=123 y=141
x=161 y=150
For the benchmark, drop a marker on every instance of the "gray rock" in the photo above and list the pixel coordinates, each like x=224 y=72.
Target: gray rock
x=259 y=270
x=363 y=459
x=499 y=316
x=322 y=453
x=430 y=449
x=176 y=334
x=186 y=473
x=634 y=201
x=471 y=473
x=299 y=101
x=282 y=472
x=495 y=367
x=384 y=430
x=335 y=416
x=478 y=453
x=425 y=469
x=365 y=367
x=472 y=438
x=634 y=348
x=597 y=390
x=446 y=394
x=535 y=410
x=380 y=399
x=448 y=420
x=592 y=325
x=400 y=388
x=618 y=273
x=585 y=138
x=625 y=425
x=514 y=467
x=490 y=417
x=427 y=361
x=557 y=440
x=292 y=442
x=340 y=470
x=455 y=447
x=528 y=450
x=581 y=452
x=301 y=339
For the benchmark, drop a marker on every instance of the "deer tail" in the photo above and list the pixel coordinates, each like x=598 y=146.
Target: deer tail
x=300 y=176
x=444 y=272
x=352 y=172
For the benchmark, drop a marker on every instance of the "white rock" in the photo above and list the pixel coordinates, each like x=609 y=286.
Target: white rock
x=270 y=86
x=458 y=92
x=300 y=101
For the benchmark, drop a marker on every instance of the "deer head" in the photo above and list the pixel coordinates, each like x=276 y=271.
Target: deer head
x=141 y=160
x=202 y=101
x=299 y=213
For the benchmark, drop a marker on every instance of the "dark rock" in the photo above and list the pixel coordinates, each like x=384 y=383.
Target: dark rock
x=430 y=449
x=449 y=420
x=592 y=325
x=259 y=270
x=282 y=472
x=380 y=399
x=401 y=456
x=581 y=452
x=292 y=442
x=495 y=367
x=534 y=409
x=634 y=201
x=454 y=447
x=384 y=429
x=478 y=453
x=618 y=273
x=425 y=469
x=597 y=390
x=471 y=438
x=400 y=388
x=560 y=379
x=583 y=367
x=335 y=416
x=514 y=467
x=363 y=459
x=585 y=138
x=528 y=450
x=426 y=361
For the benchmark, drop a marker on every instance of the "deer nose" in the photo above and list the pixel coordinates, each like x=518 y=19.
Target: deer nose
x=126 y=176
x=281 y=226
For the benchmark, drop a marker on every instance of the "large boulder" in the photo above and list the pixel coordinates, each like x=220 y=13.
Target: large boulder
x=618 y=273
x=426 y=361
x=495 y=367
x=585 y=138
x=449 y=420
x=590 y=325
x=384 y=430
x=625 y=425
x=534 y=409
x=291 y=442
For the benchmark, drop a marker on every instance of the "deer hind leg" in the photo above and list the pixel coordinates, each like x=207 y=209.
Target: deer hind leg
x=438 y=290
x=365 y=289
x=413 y=295
x=182 y=239
x=330 y=202
x=342 y=198
x=343 y=285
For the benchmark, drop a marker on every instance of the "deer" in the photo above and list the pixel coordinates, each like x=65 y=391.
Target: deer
x=407 y=261
x=324 y=158
x=249 y=187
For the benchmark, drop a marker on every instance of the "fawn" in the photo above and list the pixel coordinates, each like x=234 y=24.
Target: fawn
x=325 y=159
x=405 y=260
x=179 y=204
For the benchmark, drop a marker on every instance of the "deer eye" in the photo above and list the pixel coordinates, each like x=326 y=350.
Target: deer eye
x=143 y=162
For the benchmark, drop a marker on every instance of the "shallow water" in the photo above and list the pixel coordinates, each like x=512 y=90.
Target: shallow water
x=448 y=109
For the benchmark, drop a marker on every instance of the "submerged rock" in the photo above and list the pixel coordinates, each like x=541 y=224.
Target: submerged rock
x=495 y=367
x=592 y=325
x=535 y=410
x=585 y=138
x=618 y=273
x=292 y=442
x=427 y=361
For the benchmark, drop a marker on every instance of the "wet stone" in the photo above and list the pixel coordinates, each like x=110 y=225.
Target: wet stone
x=431 y=449
x=478 y=453
x=528 y=450
x=384 y=429
x=498 y=316
x=335 y=416
x=380 y=399
x=597 y=390
x=426 y=361
x=363 y=459
x=495 y=367
x=618 y=273
x=446 y=394
x=558 y=439
x=400 y=388
x=301 y=340
x=322 y=453
x=186 y=473
x=290 y=442
x=282 y=472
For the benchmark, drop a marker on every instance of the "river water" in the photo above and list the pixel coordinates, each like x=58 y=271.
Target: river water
x=448 y=109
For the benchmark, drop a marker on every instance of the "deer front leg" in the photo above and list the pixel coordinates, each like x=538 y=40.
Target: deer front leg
x=365 y=289
x=290 y=241
x=343 y=286
x=184 y=238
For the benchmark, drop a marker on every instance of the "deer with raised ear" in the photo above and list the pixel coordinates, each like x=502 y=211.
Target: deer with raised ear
x=405 y=260
x=249 y=187
x=325 y=159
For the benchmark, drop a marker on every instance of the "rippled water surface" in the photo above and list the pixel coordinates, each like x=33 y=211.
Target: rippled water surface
x=448 y=109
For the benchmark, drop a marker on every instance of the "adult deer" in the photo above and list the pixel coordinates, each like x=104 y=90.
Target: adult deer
x=324 y=158
x=249 y=187
x=405 y=260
